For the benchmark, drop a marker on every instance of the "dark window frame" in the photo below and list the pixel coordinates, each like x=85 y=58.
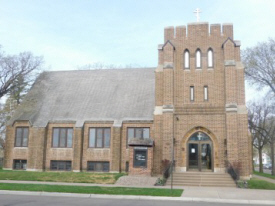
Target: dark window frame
x=127 y=166
x=210 y=49
x=200 y=67
x=59 y=162
x=184 y=59
x=134 y=159
x=59 y=139
x=22 y=137
x=135 y=128
x=103 y=137
x=98 y=162
x=192 y=91
x=21 y=164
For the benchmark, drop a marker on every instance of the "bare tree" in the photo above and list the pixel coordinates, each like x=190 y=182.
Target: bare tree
x=17 y=73
x=16 y=70
x=261 y=125
x=260 y=64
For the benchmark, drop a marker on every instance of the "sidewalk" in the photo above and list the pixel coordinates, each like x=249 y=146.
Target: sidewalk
x=206 y=194
x=264 y=178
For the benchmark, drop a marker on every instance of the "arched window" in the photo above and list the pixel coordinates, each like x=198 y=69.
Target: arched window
x=198 y=58
x=210 y=58
x=199 y=136
x=186 y=59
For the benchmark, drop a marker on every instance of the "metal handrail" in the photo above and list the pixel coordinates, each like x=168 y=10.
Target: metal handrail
x=233 y=171
x=167 y=172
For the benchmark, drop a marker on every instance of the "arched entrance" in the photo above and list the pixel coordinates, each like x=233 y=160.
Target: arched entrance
x=199 y=152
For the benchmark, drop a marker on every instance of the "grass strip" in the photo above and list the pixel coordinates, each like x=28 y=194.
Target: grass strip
x=75 y=177
x=264 y=174
x=92 y=189
x=260 y=184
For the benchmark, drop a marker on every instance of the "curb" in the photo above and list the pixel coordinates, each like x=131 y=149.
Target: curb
x=132 y=197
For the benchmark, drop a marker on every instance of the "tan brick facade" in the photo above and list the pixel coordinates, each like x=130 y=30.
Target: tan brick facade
x=223 y=116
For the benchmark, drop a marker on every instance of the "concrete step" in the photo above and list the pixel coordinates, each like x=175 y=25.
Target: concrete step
x=204 y=179
x=201 y=182
x=198 y=178
x=204 y=185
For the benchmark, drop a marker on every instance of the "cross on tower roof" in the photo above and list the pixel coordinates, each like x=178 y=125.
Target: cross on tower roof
x=197 y=11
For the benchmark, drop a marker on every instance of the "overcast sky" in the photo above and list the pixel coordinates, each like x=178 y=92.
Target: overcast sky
x=70 y=33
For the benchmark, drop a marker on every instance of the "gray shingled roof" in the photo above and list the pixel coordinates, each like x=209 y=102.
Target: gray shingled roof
x=107 y=94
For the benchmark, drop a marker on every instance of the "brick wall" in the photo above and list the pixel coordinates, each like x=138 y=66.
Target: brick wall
x=96 y=154
x=223 y=116
x=225 y=82
x=145 y=171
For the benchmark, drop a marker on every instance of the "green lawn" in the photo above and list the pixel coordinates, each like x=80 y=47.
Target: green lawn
x=260 y=184
x=81 y=177
x=92 y=189
x=264 y=174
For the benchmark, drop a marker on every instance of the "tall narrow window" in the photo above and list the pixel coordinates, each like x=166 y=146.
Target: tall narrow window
x=205 y=91
x=210 y=58
x=192 y=97
x=186 y=59
x=198 y=58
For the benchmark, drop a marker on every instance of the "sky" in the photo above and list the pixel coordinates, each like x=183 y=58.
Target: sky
x=70 y=33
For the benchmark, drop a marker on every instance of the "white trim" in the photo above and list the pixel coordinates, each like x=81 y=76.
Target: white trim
x=242 y=109
x=158 y=110
x=239 y=65
x=180 y=169
x=229 y=63
x=245 y=177
x=168 y=65
x=159 y=68
x=34 y=170
x=219 y=170
x=117 y=123
x=7 y=168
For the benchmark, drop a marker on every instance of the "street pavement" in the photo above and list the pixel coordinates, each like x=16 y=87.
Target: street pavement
x=32 y=200
x=68 y=201
x=192 y=195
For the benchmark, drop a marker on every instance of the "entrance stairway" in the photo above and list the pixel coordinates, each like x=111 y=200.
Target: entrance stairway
x=202 y=179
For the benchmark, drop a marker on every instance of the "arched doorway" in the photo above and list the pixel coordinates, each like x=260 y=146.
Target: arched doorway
x=199 y=152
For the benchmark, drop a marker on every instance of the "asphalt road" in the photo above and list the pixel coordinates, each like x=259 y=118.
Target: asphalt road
x=27 y=200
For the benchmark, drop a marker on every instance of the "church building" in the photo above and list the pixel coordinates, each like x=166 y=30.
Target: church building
x=190 y=109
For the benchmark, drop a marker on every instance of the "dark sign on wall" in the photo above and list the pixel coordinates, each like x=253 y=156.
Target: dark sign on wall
x=140 y=157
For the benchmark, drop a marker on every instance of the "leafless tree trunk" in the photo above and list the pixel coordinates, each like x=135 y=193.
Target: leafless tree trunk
x=272 y=157
x=261 y=125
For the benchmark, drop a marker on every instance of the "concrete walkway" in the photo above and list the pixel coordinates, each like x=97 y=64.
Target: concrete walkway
x=264 y=178
x=206 y=194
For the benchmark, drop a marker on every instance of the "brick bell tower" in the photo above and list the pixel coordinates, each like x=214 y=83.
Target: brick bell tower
x=200 y=90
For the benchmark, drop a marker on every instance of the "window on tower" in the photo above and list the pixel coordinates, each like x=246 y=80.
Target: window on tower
x=192 y=96
x=205 y=91
x=186 y=59
x=198 y=59
x=210 y=58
